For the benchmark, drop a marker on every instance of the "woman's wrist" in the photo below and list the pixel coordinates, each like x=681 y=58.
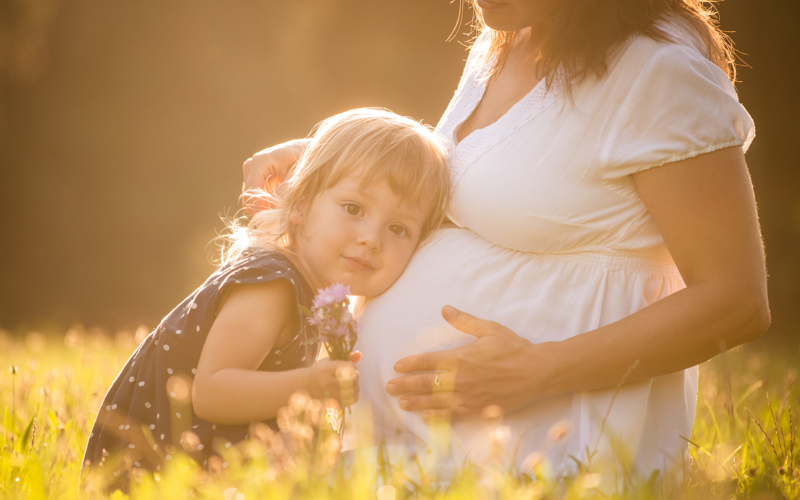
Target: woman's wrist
x=588 y=361
x=542 y=371
x=535 y=371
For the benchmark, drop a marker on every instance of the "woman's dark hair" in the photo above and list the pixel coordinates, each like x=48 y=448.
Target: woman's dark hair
x=582 y=35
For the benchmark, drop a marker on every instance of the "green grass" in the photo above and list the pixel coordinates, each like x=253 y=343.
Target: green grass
x=743 y=444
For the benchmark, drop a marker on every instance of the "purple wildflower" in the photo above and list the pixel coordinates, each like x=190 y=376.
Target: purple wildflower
x=335 y=324
x=331 y=295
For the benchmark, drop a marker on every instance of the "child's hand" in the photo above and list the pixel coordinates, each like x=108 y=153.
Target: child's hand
x=267 y=169
x=334 y=379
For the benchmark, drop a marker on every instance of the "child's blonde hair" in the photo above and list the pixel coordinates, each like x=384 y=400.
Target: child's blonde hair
x=372 y=143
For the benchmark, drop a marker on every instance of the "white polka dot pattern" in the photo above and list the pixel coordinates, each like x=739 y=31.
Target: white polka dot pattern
x=141 y=393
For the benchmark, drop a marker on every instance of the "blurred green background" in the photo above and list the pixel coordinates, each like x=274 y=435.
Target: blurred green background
x=123 y=127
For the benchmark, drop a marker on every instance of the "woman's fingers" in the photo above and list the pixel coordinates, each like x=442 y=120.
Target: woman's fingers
x=437 y=400
x=427 y=361
x=444 y=360
x=413 y=383
x=428 y=382
x=468 y=323
x=447 y=414
x=495 y=369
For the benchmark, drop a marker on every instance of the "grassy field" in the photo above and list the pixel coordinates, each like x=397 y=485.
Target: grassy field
x=743 y=443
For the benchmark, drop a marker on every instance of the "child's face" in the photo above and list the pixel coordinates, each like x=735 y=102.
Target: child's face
x=362 y=236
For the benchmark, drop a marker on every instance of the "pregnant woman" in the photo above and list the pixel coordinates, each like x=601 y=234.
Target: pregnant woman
x=605 y=239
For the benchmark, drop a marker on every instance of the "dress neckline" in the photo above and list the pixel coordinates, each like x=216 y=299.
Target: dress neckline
x=462 y=154
x=482 y=83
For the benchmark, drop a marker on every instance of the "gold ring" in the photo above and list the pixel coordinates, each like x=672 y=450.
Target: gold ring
x=436 y=381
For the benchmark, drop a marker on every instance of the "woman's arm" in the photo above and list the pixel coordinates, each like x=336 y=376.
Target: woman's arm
x=228 y=388
x=705 y=209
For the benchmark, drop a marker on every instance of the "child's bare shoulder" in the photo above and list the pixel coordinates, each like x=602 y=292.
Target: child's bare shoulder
x=274 y=299
x=268 y=275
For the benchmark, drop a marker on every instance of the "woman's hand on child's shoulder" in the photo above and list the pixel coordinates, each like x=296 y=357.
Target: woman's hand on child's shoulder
x=334 y=379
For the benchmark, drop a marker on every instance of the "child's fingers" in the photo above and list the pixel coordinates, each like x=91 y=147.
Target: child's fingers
x=348 y=397
x=267 y=169
x=346 y=371
x=347 y=377
x=335 y=379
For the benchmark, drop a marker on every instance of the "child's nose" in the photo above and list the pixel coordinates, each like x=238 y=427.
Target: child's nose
x=370 y=236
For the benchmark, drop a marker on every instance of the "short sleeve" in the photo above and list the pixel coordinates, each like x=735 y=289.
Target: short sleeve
x=251 y=268
x=681 y=105
x=261 y=268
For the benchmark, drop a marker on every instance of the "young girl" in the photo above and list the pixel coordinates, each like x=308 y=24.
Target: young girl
x=368 y=189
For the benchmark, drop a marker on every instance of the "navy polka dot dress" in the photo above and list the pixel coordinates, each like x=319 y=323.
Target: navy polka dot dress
x=146 y=416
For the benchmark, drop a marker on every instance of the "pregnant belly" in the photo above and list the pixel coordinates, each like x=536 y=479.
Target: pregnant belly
x=542 y=297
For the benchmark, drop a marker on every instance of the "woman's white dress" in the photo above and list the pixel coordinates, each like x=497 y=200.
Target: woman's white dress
x=554 y=241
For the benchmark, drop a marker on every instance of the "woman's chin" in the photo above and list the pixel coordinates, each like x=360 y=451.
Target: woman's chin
x=510 y=16
x=499 y=22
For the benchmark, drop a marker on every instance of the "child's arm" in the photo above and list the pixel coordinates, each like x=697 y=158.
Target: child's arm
x=228 y=389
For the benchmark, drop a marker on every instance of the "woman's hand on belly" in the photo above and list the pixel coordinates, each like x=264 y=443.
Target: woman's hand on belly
x=495 y=369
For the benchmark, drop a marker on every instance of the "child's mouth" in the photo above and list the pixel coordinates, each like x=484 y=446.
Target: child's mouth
x=359 y=264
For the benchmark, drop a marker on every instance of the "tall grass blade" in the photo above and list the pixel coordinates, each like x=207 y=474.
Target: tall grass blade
x=25 y=437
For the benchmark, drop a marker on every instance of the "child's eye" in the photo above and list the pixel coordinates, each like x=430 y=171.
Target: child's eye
x=352 y=209
x=398 y=230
